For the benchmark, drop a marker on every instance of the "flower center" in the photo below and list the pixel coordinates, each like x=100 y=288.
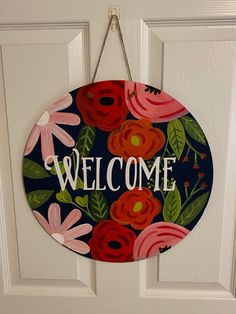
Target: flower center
x=59 y=237
x=135 y=140
x=114 y=245
x=44 y=119
x=106 y=101
x=137 y=207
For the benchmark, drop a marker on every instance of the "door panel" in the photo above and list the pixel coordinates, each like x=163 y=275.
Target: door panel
x=53 y=67
x=199 y=70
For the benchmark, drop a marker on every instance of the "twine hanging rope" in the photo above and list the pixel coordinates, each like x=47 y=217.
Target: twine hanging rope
x=122 y=47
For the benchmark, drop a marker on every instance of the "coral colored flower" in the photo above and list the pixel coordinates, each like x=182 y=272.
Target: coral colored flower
x=112 y=242
x=203 y=156
x=136 y=208
x=102 y=104
x=147 y=102
x=204 y=185
x=201 y=175
x=47 y=126
x=136 y=138
x=186 y=184
x=157 y=238
x=185 y=159
x=196 y=166
x=61 y=231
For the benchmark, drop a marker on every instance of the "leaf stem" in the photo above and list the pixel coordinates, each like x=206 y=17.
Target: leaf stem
x=192 y=148
x=188 y=151
x=195 y=186
x=186 y=192
x=169 y=153
x=193 y=192
x=198 y=190
x=165 y=149
x=163 y=195
x=87 y=212
x=74 y=161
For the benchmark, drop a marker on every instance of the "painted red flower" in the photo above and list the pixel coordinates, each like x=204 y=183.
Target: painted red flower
x=136 y=208
x=136 y=138
x=157 y=238
x=103 y=104
x=112 y=242
x=147 y=102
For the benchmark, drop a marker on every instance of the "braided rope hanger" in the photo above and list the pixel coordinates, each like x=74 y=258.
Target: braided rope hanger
x=113 y=16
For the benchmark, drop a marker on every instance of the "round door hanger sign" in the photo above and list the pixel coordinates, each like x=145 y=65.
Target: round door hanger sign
x=117 y=171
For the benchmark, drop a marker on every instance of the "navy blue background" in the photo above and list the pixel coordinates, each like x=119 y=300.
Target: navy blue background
x=182 y=171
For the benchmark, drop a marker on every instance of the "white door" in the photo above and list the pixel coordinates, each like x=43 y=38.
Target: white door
x=186 y=47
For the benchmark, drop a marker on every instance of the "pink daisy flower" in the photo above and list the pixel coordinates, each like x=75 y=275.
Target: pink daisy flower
x=47 y=126
x=61 y=232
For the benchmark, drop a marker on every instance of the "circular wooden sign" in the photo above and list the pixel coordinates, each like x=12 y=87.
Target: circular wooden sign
x=117 y=171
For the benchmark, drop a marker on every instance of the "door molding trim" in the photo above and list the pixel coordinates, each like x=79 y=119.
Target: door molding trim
x=227 y=21
x=191 y=22
x=33 y=26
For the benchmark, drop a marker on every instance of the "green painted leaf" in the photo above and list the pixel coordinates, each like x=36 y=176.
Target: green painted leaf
x=79 y=184
x=98 y=205
x=194 y=130
x=82 y=200
x=176 y=137
x=61 y=165
x=33 y=170
x=192 y=210
x=39 y=197
x=172 y=206
x=64 y=196
x=86 y=140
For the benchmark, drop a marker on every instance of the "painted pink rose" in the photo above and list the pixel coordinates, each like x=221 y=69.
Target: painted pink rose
x=147 y=102
x=157 y=238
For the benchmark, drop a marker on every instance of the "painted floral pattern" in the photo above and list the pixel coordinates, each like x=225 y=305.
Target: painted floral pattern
x=62 y=232
x=103 y=104
x=136 y=139
x=112 y=242
x=147 y=102
x=118 y=120
x=47 y=126
x=136 y=208
x=158 y=238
